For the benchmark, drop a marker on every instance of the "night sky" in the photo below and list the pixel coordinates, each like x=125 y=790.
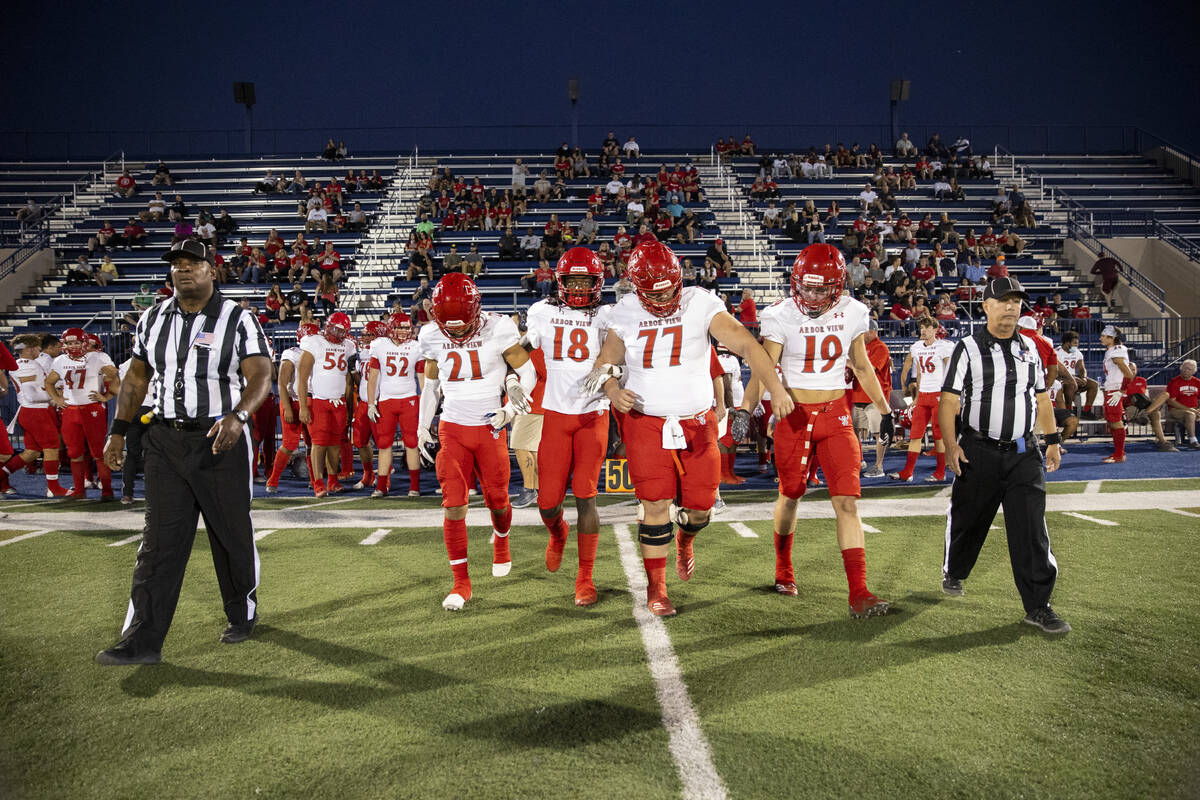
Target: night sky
x=720 y=68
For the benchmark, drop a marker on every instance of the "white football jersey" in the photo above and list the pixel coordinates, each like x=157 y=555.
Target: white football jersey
x=292 y=354
x=30 y=378
x=733 y=368
x=330 y=365
x=1113 y=377
x=570 y=339
x=815 y=349
x=361 y=364
x=398 y=365
x=1069 y=360
x=667 y=359
x=80 y=378
x=471 y=372
x=1053 y=391
x=929 y=363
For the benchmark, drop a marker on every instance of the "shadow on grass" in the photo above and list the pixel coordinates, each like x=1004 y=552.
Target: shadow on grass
x=149 y=681
x=580 y=723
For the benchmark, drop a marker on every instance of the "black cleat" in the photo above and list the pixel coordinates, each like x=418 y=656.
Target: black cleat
x=1047 y=620
x=952 y=586
x=235 y=634
x=125 y=654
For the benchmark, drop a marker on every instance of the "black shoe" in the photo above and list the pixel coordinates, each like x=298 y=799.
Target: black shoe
x=952 y=586
x=233 y=634
x=125 y=654
x=1047 y=620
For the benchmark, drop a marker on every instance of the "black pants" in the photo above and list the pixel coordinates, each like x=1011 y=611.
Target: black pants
x=990 y=478
x=184 y=480
x=134 y=455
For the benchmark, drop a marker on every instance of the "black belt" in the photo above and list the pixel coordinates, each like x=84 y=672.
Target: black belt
x=188 y=423
x=997 y=444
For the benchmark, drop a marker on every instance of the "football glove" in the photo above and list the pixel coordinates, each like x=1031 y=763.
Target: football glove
x=502 y=416
x=599 y=376
x=739 y=426
x=373 y=412
x=427 y=447
x=516 y=395
x=887 y=430
x=1114 y=399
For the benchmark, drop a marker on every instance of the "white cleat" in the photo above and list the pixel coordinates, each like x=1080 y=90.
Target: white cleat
x=377 y=493
x=500 y=570
x=10 y=490
x=454 y=602
x=413 y=493
x=271 y=489
x=88 y=484
x=359 y=486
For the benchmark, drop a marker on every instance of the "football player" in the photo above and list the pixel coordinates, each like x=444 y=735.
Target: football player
x=289 y=412
x=660 y=332
x=1116 y=371
x=929 y=355
x=813 y=334
x=467 y=355
x=325 y=359
x=364 y=424
x=394 y=385
x=37 y=418
x=88 y=379
x=569 y=329
x=733 y=391
x=1070 y=362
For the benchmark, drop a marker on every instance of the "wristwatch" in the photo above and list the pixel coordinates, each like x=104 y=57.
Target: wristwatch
x=243 y=416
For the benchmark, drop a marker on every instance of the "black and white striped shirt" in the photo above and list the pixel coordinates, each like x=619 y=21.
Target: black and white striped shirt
x=997 y=381
x=210 y=344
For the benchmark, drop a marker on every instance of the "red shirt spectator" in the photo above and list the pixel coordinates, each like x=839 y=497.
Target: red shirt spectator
x=300 y=261
x=107 y=230
x=644 y=237
x=663 y=223
x=329 y=260
x=133 y=231
x=622 y=240
x=281 y=261
x=595 y=201
x=474 y=212
x=748 y=312
x=1081 y=312
x=998 y=270
x=126 y=183
x=923 y=272
x=901 y=312
x=618 y=169
x=859 y=225
x=449 y=221
x=272 y=302
x=1185 y=391
x=543 y=274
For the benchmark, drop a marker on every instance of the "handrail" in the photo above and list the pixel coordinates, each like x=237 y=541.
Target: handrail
x=1136 y=279
x=25 y=251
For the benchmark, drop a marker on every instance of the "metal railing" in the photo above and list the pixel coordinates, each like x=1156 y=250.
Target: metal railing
x=33 y=242
x=1084 y=234
x=1170 y=157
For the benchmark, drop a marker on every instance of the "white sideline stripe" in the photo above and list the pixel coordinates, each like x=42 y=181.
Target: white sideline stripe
x=1181 y=511
x=1086 y=518
x=743 y=530
x=689 y=748
x=377 y=536
x=1092 y=487
x=945 y=491
x=259 y=535
x=870 y=528
x=24 y=536
x=304 y=506
x=130 y=540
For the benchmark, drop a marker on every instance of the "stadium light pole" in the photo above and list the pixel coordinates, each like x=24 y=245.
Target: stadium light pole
x=899 y=92
x=573 y=96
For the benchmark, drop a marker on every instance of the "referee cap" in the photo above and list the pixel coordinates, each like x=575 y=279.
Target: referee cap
x=1002 y=287
x=189 y=248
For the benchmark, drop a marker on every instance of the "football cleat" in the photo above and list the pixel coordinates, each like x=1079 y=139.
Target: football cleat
x=88 y=483
x=501 y=558
x=319 y=493
x=80 y=495
x=365 y=483
x=585 y=593
x=334 y=487
x=685 y=558
x=1113 y=460
x=868 y=606
x=660 y=606
x=454 y=602
x=896 y=476
x=379 y=493
x=272 y=489
x=413 y=493
x=936 y=478
x=787 y=588
x=56 y=491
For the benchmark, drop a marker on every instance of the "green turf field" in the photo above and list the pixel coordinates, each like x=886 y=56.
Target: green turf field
x=357 y=683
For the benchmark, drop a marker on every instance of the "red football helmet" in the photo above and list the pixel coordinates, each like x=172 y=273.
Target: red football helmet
x=74 y=341
x=94 y=343
x=375 y=329
x=653 y=270
x=580 y=262
x=307 y=329
x=399 y=328
x=456 y=303
x=818 y=275
x=337 y=327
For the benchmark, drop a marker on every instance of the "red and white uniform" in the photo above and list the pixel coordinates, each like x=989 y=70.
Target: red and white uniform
x=292 y=431
x=574 y=425
x=37 y=418
x=363 y=430
x=815 y=352
x=398 y=390
x=1113 y=379
x=84 y=421
x=471 y=374
x=731 y=366
x=1069 y=360
x=327 y=396
x=672 y=427
x=929 y=360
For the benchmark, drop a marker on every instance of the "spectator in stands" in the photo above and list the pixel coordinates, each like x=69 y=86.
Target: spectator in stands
x=589 y=229
x=508 y=246
x=317 y=219
x=423 y=292
x=253 y=267
x=901 y=312
x=162 y=175
x=998 y=269
x=125 y=185
x=134 y=234
x=327 y=294
x=274 y=304
x=178 y=210
x=80 y=273
x=281 y=266
x=107 y=271
x=520 y=173
x=267 y=185
x=452 y=261
x=622 y=287
x=634 y=211
x=748 y=311
x=770 y=217
x=540 y=281
x=357 y=221
x=945 y=230
x=868 y=199
x=924 y=273
x=330 y=151
x=419 y=265
x=29 y=213
x=342 y=151
x=541 y=188
x=1010 y=242
x=989 y=247
x=747 y=146
x=1081 y=310
x=688 y=271
x=329 y=262
x=156 y=209
x=1183 y=401
x=716 y=258
x=206 y=232
x=141 y=301
x=905 y=149
x=531 y=243
x=473 y=263
x=183 y=230
x=946 y=309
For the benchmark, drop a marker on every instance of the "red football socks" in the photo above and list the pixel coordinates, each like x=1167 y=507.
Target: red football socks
x=1119 y=442
x=346 y=466
x=383 y=483
x=502 y=520
x=910 y=464
x=414 y=480
x=105 y=475
x=558 y=527
x=51 y=468
x=587 y=553
x=15 y=463
x=855 y=561
x=656 y=576
x=318 y=485
x=783 y=559
x=78 y=476
x=940 y=469
x=454 y=531
x=280 y=463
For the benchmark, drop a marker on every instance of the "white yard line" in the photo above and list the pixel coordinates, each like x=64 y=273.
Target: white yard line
x=743 y=530
x=129 y=540
x=944 y=491
x=260 y=535
x=689 y=748
x=1092 y=487
x=305 y=506
x=870 y=528
x=1182 y=512
x=377 y=536
x=1106 y=522
x=23 y=537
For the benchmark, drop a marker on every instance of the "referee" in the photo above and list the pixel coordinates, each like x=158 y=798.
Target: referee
x=995 y=393
x=213 y=367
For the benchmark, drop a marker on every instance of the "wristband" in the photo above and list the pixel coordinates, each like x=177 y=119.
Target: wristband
x=1052 y=438
x=119 y=427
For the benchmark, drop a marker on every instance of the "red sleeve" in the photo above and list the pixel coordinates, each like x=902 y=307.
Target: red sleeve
x=715 y=370
x=7 y=362
x=538 y=357
x=373 y=363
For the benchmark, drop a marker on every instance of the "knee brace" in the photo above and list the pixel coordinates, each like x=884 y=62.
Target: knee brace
x=686 y=524
x=653 y=535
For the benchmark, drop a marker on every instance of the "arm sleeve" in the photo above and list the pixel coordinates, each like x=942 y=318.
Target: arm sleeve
x=956 y=373
x=429 y=402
